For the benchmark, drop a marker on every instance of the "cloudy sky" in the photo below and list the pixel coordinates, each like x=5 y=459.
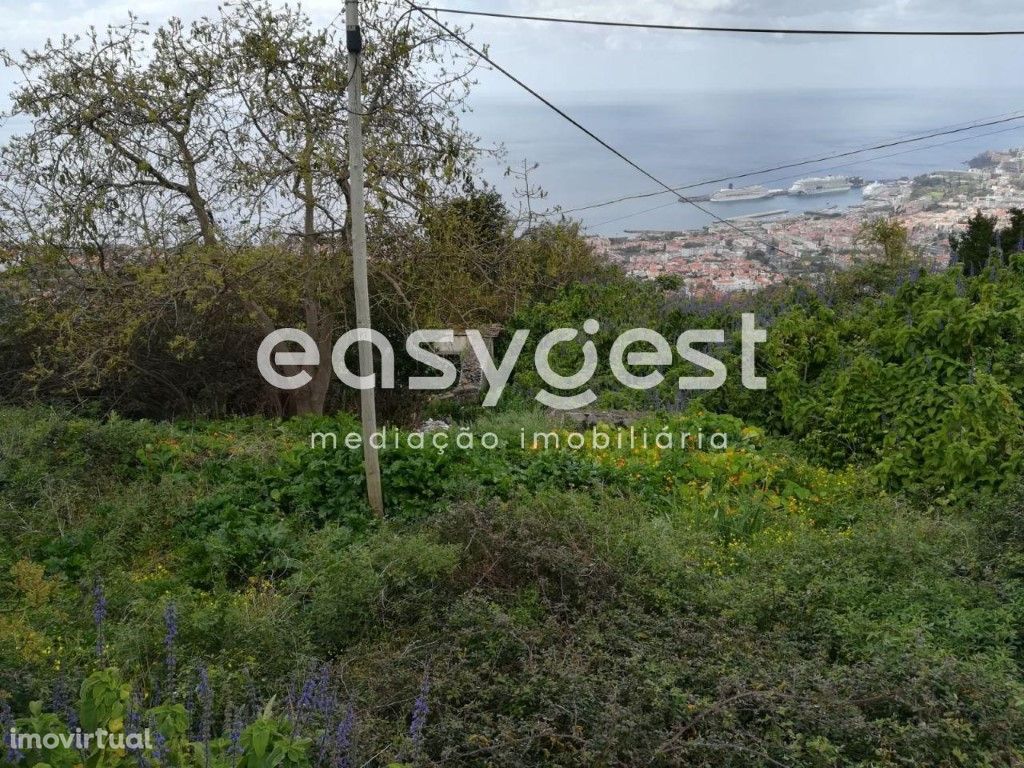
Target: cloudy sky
x=564 y=60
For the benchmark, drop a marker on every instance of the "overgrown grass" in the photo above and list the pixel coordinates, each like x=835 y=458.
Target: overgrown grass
x=596 y=607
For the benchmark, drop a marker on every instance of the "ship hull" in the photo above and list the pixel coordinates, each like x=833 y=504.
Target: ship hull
x=741 y=195
x=743 y=199
x=816 y=192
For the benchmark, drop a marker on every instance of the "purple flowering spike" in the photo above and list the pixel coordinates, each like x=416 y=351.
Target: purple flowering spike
x=306 y=697
x=324 y=701
x=11 y=753
x=341 y=754
x=235 y=733
x=420 y=710
x=60 y=701
x=134 y=725
x=160 y=751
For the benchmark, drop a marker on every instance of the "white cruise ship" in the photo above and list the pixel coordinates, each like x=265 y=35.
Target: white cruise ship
x=732 y=195
x=822 y=185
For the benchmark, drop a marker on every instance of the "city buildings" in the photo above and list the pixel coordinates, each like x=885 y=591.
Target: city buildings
x=718 y=259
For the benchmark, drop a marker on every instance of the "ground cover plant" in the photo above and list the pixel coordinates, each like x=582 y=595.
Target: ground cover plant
x=223 y=584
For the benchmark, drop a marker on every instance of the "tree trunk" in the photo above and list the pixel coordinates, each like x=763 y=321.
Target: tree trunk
x=312 y=398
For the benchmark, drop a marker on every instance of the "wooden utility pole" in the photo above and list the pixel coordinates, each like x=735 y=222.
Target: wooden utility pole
x=357 y=202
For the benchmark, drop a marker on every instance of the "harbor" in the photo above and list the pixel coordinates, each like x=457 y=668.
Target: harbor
x=816 y=234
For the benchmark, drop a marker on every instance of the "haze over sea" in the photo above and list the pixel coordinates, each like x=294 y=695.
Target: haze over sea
x=687 y=137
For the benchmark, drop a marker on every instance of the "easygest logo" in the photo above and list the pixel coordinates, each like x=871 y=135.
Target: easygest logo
x=656 y=353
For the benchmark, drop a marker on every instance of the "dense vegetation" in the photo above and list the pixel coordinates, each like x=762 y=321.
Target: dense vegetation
x=840 y=585
x=853 y=598
x=918 y=374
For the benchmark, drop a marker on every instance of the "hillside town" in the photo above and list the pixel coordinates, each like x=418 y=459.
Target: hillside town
x=720 y=259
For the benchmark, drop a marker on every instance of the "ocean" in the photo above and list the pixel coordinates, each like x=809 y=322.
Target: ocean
x=687 y=137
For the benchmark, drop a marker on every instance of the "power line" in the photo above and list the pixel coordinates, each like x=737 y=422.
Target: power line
x=565 y=116
x=741 y=30
x=632 y=215
x=798 y=164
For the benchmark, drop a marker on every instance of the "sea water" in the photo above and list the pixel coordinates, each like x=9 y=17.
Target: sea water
x=688 y=137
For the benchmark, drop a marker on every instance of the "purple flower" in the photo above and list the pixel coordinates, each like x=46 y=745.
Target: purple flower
x=341 y=754
x=420 y=710
x=314 y=699
x=160 y=751
x=11 y=753
x=324 y=702
x=134 y=725
x=307 y=696
x=315 y=696
x=99 y=605
x=134 y=719
x=60 y=702
x=235 y=733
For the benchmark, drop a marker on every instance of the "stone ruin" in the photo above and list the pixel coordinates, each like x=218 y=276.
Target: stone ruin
x=471 y=376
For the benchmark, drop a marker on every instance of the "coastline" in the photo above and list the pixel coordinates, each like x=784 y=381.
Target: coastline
x=810 y=243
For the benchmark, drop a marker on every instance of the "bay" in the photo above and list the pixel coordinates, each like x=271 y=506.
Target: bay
x=685 y=137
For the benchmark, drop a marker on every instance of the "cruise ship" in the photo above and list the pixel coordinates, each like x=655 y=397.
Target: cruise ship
x=731 y=195
x=823 y=185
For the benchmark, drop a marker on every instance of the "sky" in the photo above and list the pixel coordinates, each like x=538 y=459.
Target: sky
x=592 y=62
